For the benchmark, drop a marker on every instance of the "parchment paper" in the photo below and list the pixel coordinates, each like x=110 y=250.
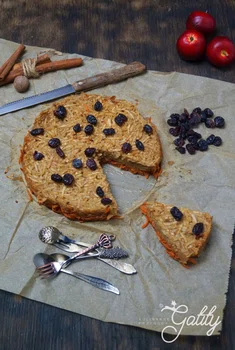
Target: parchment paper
x=203 y=182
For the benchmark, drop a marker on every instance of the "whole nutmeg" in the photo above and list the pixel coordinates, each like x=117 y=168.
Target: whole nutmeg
x=21 y=83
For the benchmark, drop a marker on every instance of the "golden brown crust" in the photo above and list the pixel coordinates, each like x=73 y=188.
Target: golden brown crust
x=80 y=201
x=176 y=236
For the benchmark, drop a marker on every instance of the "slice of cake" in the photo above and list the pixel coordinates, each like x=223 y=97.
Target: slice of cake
x=63 y=153
x=183 y=232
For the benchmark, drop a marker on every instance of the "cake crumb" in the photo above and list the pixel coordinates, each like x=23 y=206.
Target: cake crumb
x=171 y=162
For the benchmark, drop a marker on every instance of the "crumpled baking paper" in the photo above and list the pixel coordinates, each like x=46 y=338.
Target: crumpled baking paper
x=162 y=288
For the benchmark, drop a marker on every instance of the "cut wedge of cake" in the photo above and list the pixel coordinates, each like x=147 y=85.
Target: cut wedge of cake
x=183 y=232
x=63 y=153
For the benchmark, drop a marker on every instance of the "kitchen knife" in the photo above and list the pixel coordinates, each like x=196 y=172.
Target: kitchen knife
x=90 y=83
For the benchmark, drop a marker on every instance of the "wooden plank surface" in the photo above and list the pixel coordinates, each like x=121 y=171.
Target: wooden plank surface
x=122 y=31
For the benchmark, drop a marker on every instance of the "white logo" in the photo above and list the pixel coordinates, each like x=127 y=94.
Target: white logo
x=204 y=318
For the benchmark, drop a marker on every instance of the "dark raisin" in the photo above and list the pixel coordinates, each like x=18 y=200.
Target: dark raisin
x=91 y=119
x=89 y=129
x=209 y=123
x=175 y=115
x=192 y=139
x=90 y=151
x=195 y=146
x=219 y=122
x=198 y=229
x=202 y=145
x=106 y=201
x=183 y=130
x=197 y=110
x=60 y=112
x=38 y=131
x=194 y=118
x=203 y=117
x=186 y=112
x=139 y=145
x=53 y=143
x=179 y=142
x=77 y=163
x=109 y=131
x=68 y=179
x=126 y=147
x=98 y=106
x=120 y=119
x=56 y=178
x=197 y=135
x=77 y=128
x=181 y=150
x=217 y=141
x=91 y=164
x=60 y=152
x=208 y=112
x=183 y=118
x=190 y=148
x=210 y=139
x=148 y=129
x=175 y=131
x=176 y=213
x=100 y=192
x=38 y=156
x=172 y=122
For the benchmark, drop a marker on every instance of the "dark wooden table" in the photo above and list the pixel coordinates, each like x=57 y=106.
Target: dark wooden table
x=122 y=31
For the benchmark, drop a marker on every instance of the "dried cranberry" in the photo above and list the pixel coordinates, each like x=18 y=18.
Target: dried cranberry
x=217 y=141
x=100 y=192
x=109 y=131
x=197 y=110
x=90 y=151
x=98 y=106
x=190 y=149
x=202 y=145
x=179 y=142
x=120 y=119
x=53 y=143
x=219 y=122
x=60 y=112
x=126 y=147
x=198 y=229
x=139 y=145
x=106 y=201
x=89 y=129
x=91 y=164
x=148 y=129
x=176 y=213
x=210 y=139
x=77 y=163
x=209 y=123
x=60 y=152
x=91 y=119
x=38 y=156
x=172 y=122
x=56 y=178
x=77 y=128
x=38 y=131
x=175 y=131
x=180 y=149
x=208 y=112
x=68 y=179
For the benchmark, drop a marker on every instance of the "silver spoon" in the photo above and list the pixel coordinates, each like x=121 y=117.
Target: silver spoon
x=51 y=235
x=41 y=259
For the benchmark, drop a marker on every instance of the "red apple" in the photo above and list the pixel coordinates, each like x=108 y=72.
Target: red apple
x=220 y=51
x=201 y=21
x=191 y=45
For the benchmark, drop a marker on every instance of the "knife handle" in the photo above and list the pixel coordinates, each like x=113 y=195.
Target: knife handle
x=113 y=76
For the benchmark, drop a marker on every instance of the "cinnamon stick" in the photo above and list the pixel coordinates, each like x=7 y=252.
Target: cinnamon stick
x=45 y=58
x=7 y=66
x=44 y=68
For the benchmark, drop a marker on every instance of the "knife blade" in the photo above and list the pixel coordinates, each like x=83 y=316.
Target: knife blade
x=89 y=83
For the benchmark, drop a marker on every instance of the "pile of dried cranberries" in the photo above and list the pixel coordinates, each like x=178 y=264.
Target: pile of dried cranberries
x=186 y=138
